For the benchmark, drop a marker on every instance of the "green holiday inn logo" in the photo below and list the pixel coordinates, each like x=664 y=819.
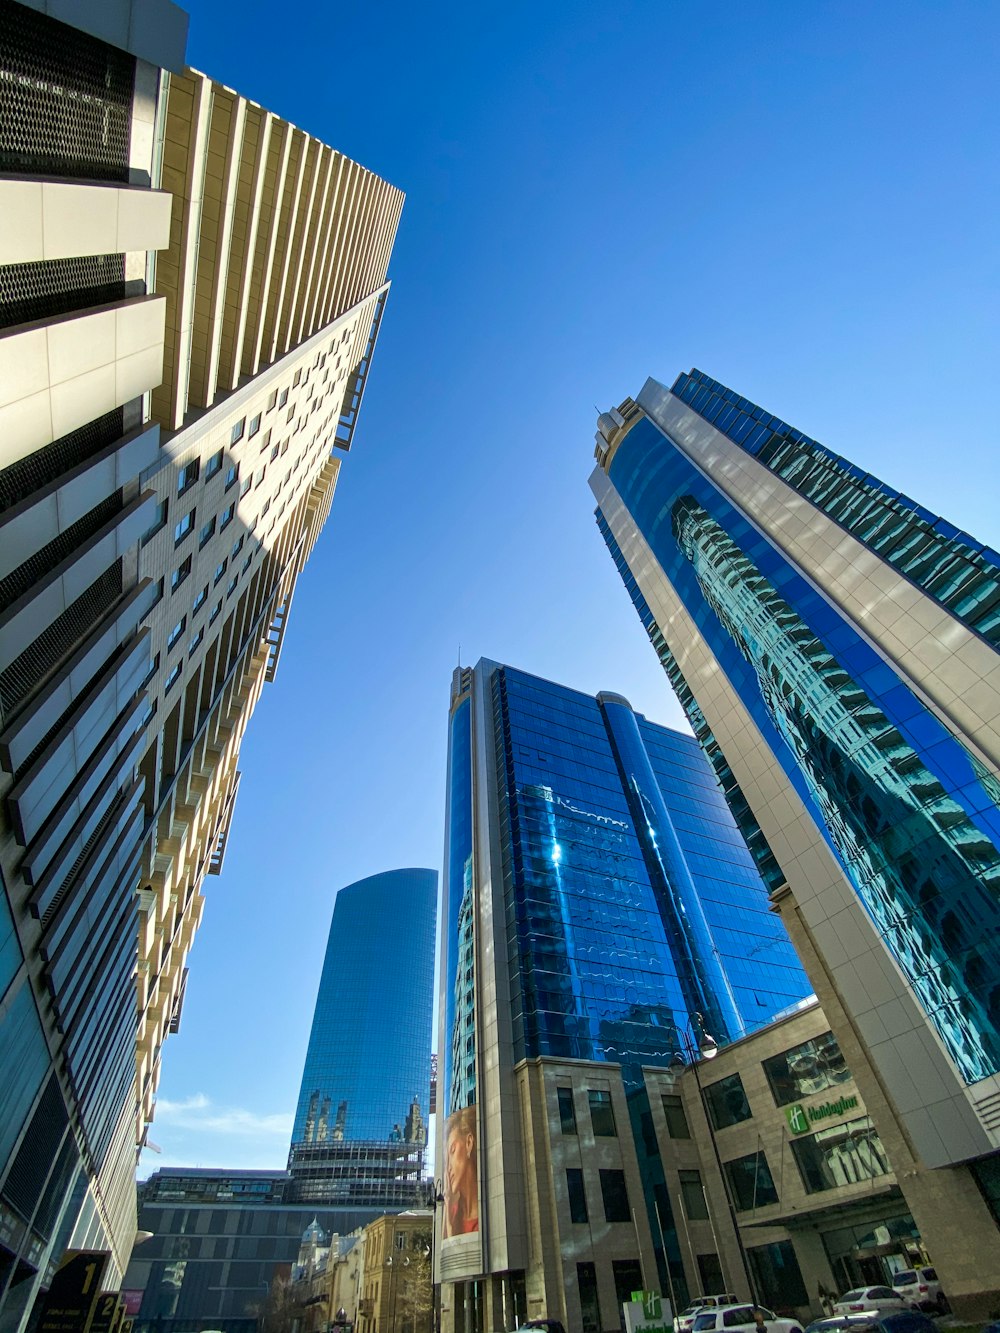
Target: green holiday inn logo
x=800 y=1118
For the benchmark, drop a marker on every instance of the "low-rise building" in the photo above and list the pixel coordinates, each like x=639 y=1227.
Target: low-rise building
x=396 y=1291
x=326 y=1281
x=778 y=1175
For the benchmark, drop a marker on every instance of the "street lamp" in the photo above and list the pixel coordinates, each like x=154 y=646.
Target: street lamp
x=705 y=1047
x=436 y=1198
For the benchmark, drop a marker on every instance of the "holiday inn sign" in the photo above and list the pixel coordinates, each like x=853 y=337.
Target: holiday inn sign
x=801 y=1118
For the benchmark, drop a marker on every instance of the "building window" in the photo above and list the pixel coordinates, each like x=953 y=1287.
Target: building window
x=180 y=574
x=187 y=476
x=200 y=600
x=283 y=398
x=693 y=1195
x=153 y=669
x=226 y=517
x=275 y=451
x=400 y=1240
x=296 y=379
x=237 y=547
x=206 y=533
x=628 y=1278
x=173 y=678
x=577 y=1194
x=157 y=596
x=806 y=1070
x=193 y=645
x=232 y=585
x=236 y=434
x=159 y=521
x=220 y=570
x=844 y=1154
x=245 y=485
x=213 y=465
x=778 y=1276
x=216 y=610
x=176 y=632
x=247 y=561
x=615 y=1196
x=602 y=1114
x=254 y=426
x=182 y=528
x=727 y=1102
x=710 y=1272
x=567 y=1111
x=590 y=1308
x=750 y=1181
x=272 y=399
x=673 y=1112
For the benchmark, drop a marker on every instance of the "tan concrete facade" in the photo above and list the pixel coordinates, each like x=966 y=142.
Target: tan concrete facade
x=396 y=1292
x=810 y=1223
x=167 y=460
x=956 y=1226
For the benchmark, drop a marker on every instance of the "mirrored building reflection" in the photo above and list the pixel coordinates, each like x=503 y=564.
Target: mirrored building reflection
x=360 y=1131
x=835 y=647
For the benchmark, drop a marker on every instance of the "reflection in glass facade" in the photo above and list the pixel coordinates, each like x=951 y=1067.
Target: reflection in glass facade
x=810 y=1068
x=628 y=888
x=912 y=817
x=844 y=1154
x=726 y=1102
x=367 y=1068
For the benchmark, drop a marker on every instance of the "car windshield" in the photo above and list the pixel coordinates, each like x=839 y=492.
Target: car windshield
x=706 y=1320
x=902 y=1279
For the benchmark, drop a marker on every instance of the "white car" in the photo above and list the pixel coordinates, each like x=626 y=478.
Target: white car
x=920 y=1286
x=739 y=1319
x=686 y=1318
x=863 y=1299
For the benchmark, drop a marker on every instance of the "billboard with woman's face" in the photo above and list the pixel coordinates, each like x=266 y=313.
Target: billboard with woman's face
x=461 y=1174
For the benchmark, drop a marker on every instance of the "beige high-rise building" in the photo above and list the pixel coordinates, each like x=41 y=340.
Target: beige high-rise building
x=190 y=293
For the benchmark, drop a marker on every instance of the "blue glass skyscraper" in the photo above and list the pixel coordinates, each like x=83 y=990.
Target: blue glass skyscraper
x=598 y=897
x=835 y=646
x=366 y=1080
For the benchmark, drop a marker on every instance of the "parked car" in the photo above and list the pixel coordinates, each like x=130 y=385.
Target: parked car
x=862 y=1299
x=920 y=1286
x=844 y=1323
x=684 y=1321
x=905 y=1321
x=739 y=1319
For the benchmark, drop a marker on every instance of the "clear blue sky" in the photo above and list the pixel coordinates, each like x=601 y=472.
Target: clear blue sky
x=799 y=198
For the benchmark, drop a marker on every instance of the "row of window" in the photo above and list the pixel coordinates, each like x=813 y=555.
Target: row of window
x=812 y=1067
x=614 y=1195
x=849 y=1153
x=952 y=567
x=602 y=1113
